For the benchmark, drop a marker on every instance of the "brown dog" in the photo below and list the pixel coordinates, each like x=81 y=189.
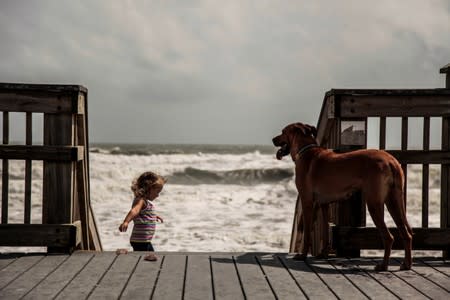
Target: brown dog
x=322 y=176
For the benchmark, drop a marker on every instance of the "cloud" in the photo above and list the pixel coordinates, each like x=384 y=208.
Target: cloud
x=219 y=72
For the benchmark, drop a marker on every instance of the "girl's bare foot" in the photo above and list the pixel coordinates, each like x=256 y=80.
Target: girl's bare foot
x=151 y=257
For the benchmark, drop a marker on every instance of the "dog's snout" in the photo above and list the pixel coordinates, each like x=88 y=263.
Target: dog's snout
x=275 y=140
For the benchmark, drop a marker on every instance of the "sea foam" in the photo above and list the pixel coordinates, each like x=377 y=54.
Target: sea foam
x=212 y=202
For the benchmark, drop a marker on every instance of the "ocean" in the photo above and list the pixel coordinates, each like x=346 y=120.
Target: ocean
x=217 y=198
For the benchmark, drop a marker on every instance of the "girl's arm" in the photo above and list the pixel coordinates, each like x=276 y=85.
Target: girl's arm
x=134 y=211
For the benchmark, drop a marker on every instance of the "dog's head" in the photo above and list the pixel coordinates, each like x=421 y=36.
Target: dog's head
x=292 y=137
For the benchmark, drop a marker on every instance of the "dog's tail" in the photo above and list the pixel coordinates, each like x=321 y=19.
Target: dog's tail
x=398 y=187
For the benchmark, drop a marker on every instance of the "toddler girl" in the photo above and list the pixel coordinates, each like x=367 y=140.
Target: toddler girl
x=146 y=188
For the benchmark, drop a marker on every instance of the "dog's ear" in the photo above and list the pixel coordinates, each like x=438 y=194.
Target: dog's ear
x=306 y=129
x=312 y=130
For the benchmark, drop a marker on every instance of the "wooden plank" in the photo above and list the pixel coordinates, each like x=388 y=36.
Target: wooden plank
x=225 y=278
x=53 y=235
x=431 y=275
x=360 y=106
x=420 y=157
x=421 y=284
x=310 y=283
x=92 y=241
x=340 y=286
x=38 y=152
x=52 y=285
x=16 y=268
x=360 y=278
x=253 y=279
x=82 y=199
x=142 y=280
x=390 y=281
x=438 y=264
x=94 y=236
x=170 y=284
x=85 y=281
x=281 y=281
x=116 y=277
x=29 y=279
x=7 y=259
x=57 y=176
x=38 y=102
x=198 y=278
x=369 y=238
x=47 y=88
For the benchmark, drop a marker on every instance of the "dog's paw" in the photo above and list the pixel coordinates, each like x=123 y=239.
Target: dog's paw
x=323 y=255
x=299 y=256
x=381 y=267
x=404 y=266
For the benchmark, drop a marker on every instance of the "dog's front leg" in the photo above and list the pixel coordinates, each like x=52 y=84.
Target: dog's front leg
x=307 y=210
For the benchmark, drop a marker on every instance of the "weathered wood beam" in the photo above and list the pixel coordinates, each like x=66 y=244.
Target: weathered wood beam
x=346 y=237
x=39 y=152
x=357 y=106
x=42 y=98
x=41 y=235
x=421 y=156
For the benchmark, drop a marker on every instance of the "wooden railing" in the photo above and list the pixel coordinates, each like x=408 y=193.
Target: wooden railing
x=349 y=233
x=67 y=217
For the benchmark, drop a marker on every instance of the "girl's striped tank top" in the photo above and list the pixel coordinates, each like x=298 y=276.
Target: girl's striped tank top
x=144 y=223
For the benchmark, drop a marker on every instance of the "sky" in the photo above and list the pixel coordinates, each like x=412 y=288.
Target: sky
x=219 y=72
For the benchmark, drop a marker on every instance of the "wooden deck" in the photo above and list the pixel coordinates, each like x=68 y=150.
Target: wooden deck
x=106 y=275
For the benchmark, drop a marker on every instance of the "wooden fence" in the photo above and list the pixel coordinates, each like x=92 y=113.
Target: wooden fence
x=353 y=107
x=67 y=218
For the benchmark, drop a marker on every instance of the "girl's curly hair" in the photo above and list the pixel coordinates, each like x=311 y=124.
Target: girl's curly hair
x=146 y=180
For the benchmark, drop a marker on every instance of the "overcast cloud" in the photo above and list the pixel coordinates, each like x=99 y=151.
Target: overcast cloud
x=219 y=71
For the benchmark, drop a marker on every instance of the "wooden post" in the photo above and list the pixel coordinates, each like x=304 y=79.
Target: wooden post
x=57 y=186
x=445 y=169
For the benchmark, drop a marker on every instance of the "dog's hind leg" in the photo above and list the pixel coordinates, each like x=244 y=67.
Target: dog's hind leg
x=376 y=210
x=396 y=208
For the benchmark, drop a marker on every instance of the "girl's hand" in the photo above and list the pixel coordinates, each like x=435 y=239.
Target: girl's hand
x=159 y=219
x=123 y=227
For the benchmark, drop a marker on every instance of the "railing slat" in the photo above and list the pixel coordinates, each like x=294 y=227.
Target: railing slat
x=5 y=170
x=404 y=148
x=28 y=169
x=445 y=181
x=425 y=173
x=382 y=133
